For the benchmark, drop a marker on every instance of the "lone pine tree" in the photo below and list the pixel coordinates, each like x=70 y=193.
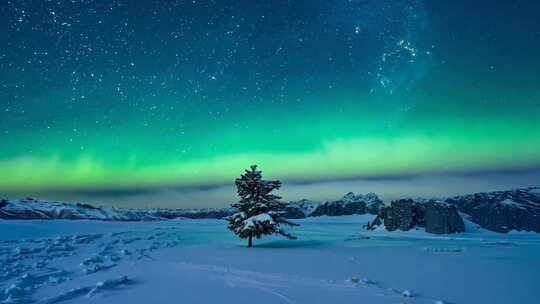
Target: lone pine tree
x=259 y=211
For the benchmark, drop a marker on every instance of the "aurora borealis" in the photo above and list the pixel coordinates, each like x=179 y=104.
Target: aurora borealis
x=138 y=94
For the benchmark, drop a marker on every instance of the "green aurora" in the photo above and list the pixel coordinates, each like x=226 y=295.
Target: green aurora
x=306 y=91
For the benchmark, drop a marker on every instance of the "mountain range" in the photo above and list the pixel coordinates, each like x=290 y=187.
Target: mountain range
x=500 y=211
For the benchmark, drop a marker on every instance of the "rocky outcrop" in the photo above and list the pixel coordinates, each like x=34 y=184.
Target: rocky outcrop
x=350 y=204
x=441 y=218
x=502 y=211
x=400 y=215
x=499 y=211
x=435 y=217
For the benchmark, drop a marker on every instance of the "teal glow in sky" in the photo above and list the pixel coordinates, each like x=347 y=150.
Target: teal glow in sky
x=138 y=94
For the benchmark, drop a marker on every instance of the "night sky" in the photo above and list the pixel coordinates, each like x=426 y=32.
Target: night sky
x=109 y=95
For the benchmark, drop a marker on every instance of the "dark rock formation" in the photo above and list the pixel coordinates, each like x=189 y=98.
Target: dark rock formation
x=441 y=218
x=338 y=208
x=502 y=211
x=436 y=217
x=400 y=215
x=350 y=204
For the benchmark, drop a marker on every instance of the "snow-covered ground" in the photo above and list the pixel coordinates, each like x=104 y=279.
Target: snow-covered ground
x=199 y=261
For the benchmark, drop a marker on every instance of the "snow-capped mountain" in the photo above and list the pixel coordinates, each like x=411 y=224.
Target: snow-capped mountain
x=34 y=209
x=502 y=211
x=350 y=204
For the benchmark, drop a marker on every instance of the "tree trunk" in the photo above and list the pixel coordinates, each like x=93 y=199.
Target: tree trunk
x=250 y=242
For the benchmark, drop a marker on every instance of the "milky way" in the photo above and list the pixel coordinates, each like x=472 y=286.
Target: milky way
x=128 y=94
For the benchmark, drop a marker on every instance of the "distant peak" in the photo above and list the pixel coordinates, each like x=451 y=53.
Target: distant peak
x=349 y=195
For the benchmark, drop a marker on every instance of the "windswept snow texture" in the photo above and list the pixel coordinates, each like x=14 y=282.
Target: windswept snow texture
x=199 y=261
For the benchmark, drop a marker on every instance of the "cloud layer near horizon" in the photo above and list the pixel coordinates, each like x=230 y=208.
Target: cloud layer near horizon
x=221 y=196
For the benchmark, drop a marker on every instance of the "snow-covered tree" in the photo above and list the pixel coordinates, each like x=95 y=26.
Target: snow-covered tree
x=259 y=211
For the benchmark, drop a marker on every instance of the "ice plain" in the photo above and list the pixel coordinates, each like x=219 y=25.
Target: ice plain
x=334 y=260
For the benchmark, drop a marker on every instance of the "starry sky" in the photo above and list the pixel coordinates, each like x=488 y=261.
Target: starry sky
x=124 y=96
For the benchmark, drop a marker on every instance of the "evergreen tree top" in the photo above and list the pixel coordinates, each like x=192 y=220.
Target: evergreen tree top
x=255 y=193
x=251 y=184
